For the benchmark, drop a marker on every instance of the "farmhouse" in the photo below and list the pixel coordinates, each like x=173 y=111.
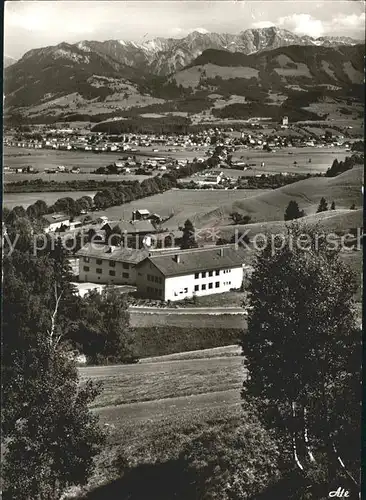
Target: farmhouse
x=109 y=264
x=132 y=233
x=55 y=221
x=140 y=214
x=210 y=180
x=177 y=274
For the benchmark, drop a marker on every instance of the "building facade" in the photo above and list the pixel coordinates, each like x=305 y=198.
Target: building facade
x=56 y=221
x=109 y=265
x=195 y=272
x=169 y=274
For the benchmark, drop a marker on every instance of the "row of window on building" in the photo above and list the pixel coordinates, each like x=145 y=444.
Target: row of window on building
x=204 y=286
x=112 y=263
x=205 y=274
x=100 y=271
x=156 y=279
x=156 y=291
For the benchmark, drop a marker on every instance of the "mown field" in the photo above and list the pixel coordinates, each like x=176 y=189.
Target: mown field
x=344 y=190
x=330 y=221
x=275 y=162
x=10 y=200
x=181 y=204
x=282 y=161
x=147 y=407
x=87 y=161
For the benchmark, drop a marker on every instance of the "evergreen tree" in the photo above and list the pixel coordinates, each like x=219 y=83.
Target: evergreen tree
x=293 y=211
x=303 y=356
x=323 y=206
x=332 y=207
x=188 y=237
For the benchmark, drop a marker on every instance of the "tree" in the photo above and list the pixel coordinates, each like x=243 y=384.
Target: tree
x=85 y=203
x=352 y=207
x=50 y=435
x=104 y=332
x=38 y=209
x=323 y=206
x=240 y=219
x=332 y=207
x=293 y=211
x=66 y=205
x=188 y=237
x=303 y=355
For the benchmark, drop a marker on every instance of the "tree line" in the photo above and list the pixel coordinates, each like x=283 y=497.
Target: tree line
x=338 y=167
x=293 y=211
x=113 y=195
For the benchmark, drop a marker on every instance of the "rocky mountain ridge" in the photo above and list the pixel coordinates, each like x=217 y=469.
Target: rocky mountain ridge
x=163 y=56
x=97 y=79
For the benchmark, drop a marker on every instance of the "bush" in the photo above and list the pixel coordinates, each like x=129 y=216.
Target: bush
x=231 y=463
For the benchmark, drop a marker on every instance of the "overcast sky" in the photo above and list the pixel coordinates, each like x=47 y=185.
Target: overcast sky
x=32 y=24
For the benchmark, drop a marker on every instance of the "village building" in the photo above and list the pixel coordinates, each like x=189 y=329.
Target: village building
x=55 y=222
x=168 y=274
x=285 y=121
x=177 y=274
x=132 y=233
x=140 y=214
x=210 y=180
x=109 y=264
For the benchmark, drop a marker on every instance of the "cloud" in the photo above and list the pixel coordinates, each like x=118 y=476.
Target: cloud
x=201 y=30
x=351 y=21
x=263 y=24
x=302 y=24
x=182 y=32
x=305 y=24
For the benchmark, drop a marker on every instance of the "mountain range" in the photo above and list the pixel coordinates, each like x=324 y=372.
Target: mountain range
x=103 y=78
x=164 y=56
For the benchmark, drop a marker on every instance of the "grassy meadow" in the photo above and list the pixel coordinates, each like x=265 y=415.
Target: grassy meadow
x=181 y=204
x=11 y=200
x=151 y=409
x=344 y=190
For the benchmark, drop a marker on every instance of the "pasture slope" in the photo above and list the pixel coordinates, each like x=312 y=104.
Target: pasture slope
x=180 y=204
x=345 y=190
x=145 y=406
x=330 y=221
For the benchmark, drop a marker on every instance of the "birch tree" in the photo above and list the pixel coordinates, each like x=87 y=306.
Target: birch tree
x=303 y=355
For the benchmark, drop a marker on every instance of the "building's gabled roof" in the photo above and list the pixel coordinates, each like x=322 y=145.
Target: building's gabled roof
x=197 y=260
x=143 y=211
x=134 y=227
x=52 y=218
x=118 y=254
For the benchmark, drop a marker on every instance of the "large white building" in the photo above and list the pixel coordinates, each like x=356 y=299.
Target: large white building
x=169 y=274
x=178 y=274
